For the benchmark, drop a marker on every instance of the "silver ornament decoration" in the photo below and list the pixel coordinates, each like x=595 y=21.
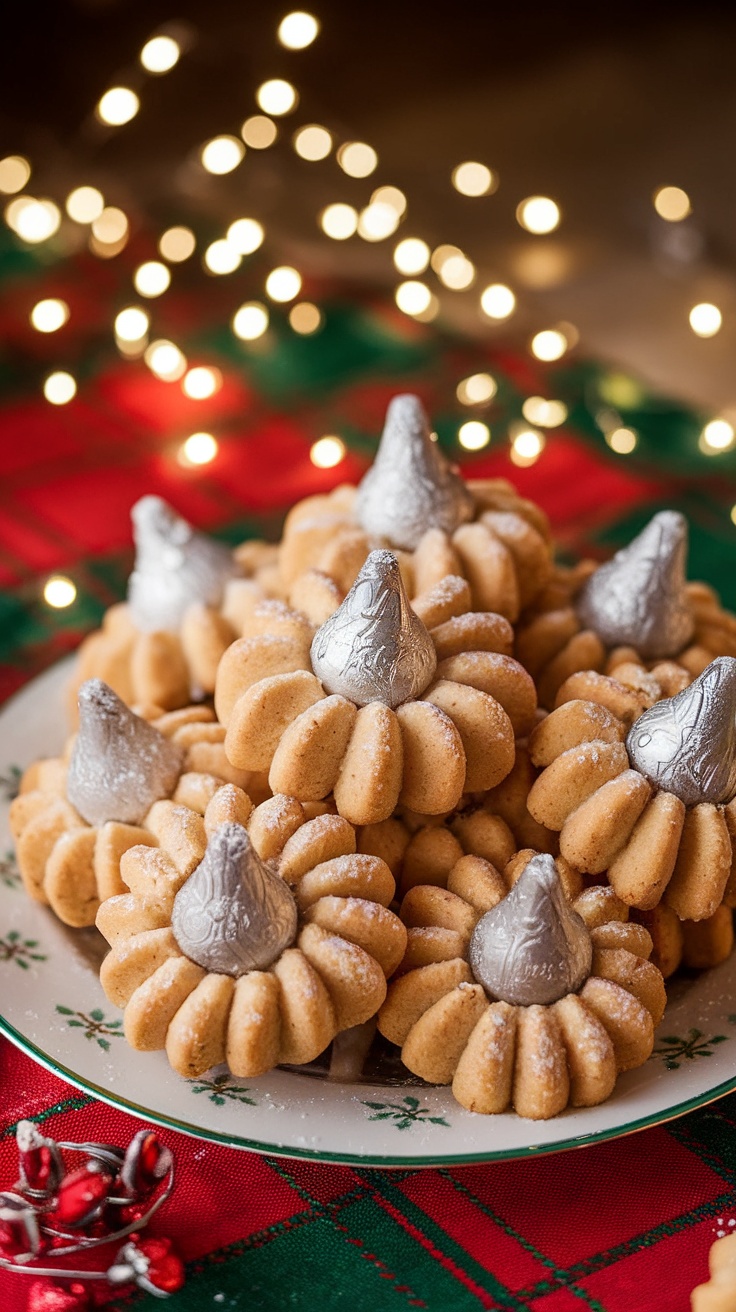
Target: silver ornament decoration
x=374 y=648
x=686 y=744
x=410 y=487
x=120 y=765
x=532 y=948
x=233 y=914
x=174 y=567
x=638 y=598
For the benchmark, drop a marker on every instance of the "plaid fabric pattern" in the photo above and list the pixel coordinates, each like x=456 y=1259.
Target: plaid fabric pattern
x=615 y=1227
x=611 y=1228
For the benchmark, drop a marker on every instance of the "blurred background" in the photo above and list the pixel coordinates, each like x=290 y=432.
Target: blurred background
x=231 y=233
x=597 y=114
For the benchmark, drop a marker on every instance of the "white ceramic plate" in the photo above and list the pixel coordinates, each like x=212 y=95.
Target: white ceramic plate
x=52 y=1006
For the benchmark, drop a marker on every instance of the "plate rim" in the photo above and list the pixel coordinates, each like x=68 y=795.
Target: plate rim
x=368 y=1160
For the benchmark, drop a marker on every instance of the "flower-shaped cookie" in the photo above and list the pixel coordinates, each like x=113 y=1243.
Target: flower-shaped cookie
x=249 y=936
x=645 y=796
x=413 y=502
x=76 y=815
x=524 y=1000
x=637 y=607
x=384 y=706
x=186 y=600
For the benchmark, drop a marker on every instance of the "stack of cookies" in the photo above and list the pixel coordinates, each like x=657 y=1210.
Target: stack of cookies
x=401 y=771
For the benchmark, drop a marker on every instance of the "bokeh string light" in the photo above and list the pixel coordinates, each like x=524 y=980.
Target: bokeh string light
x=37 y=220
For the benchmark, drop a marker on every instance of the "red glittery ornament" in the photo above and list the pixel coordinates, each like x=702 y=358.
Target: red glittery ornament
x=39 y=1158
x=19 y=1229
x=146 y=1163
x=152 y=1264
x=44 y=1296
x=82 y=1195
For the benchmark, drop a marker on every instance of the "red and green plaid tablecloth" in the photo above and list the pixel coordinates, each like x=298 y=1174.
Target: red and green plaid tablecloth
x=611 y=1228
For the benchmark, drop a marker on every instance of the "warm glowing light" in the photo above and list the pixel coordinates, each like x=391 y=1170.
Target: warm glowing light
x=474 y=435
x=550 y=344
x=14 y=174
x=476 y=390
x=33 y=220
x=222 y=154
x=59 y=387
x=177 y=244
x=733 y=514
x=85 y=204
x=442 y=253
x=250 y=321
x=472 y=179
x=548 y=414
x=538 y=214
x=245 y=236
x=199 y=449
x=165 y=360
x=222 y=257
x=160 y=54
x=327 y=452
x=428 y=314
x=672 y=203
x=111 y=227
x=390 y=196
x=259 y=132
x=339 y=221
x=526 y=447
x=201 y=382
x=312 y=142
x=277 y=97
x=497 y=301
x=151 y=278
x=131 y=324
x=49 y=315
x=118 y=105
x=357 y=159
x=298 y=30
x=705 y=319
x=457 y=272
x=305 y=318
x=377 y=222
x=59 y=592
x=717 y=436
x=622 y=440
x=413 y=297
x=283 y=284
x=411 y=255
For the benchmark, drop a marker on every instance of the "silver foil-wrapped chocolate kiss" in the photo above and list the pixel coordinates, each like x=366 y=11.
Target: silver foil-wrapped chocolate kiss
x=639 y=597
x=120 y=765
x=374 y=648
x=174 y=567
x=686 y=744
x=233 y=914
x=532 y=948
x=410 y=487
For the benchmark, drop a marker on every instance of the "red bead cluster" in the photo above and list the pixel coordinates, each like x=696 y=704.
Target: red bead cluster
x=54 y=1212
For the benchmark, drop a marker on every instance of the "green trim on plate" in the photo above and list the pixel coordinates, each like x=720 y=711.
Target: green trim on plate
x=354 y=1159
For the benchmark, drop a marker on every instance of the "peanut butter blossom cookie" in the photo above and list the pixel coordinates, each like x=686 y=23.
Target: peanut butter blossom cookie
x=638 y=606
x=184 y=601
x=387 y=704
x=76 y=815
x=414 y=503
x=251 y=936
x=523 y=1001
x=647 y=798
